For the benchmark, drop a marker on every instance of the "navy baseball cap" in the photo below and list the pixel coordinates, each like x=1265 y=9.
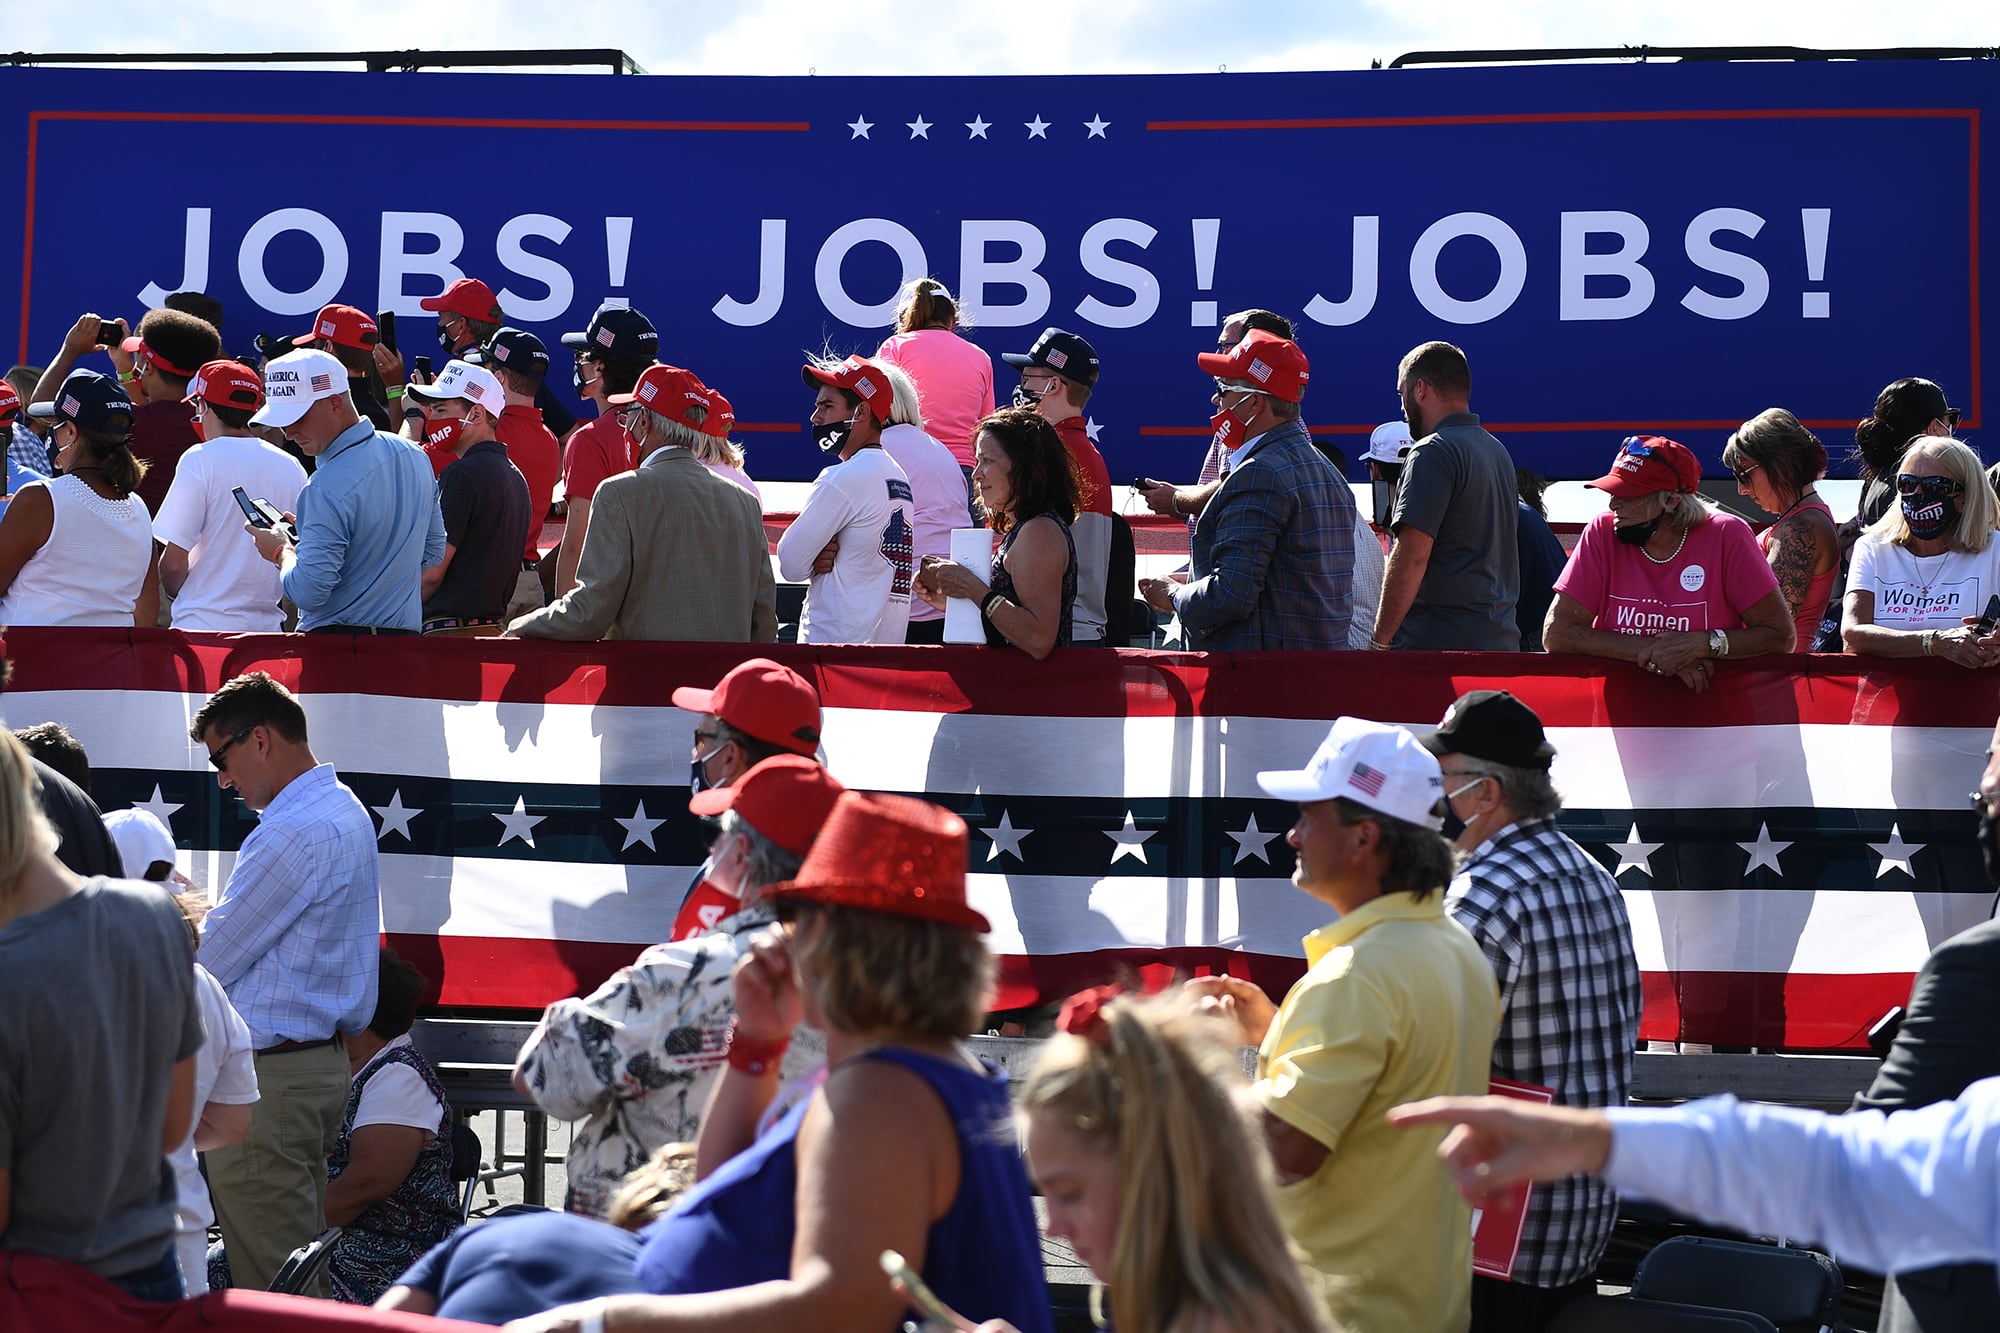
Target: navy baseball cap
x=518 y=350
x=618 y=330
x=92 y=401
x=1064 y=353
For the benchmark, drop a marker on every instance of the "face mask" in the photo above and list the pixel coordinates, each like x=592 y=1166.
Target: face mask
x=442 y=436
x=445 y=342
x=1638 y=534
x=1453 y=825
x=697 y=771
x=1229 y=429
x=1929 y=519
x=1024 y=397
x=831 y=436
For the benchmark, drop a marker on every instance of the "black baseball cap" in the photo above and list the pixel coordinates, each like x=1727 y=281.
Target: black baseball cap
x=1494 y=726
x=92 y=401
x=518 y=350
x=1064 y=353
x=618 y=330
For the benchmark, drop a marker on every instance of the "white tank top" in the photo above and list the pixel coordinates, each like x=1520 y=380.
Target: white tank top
x=90 y=570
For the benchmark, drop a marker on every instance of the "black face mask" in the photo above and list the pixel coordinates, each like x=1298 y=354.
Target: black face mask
x=698 y=772
x=1929 y=519
x=1638 y=534
x=832 y=436
x=1989 y=846
x=1023 y=398
x=1453 y=825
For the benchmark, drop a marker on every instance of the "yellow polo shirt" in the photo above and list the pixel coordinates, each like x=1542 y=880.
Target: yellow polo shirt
x=1397 y=1003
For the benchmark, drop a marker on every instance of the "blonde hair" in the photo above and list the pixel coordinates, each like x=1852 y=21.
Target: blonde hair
x=1198 y=1229
x=1978 y=512
x=25 y=831
x=873 y=971
x=1689 y=510
x=906 y=405
x=645 y=1195
x=718 y=449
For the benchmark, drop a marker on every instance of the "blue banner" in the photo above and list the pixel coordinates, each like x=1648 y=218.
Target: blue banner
x=1666 y=248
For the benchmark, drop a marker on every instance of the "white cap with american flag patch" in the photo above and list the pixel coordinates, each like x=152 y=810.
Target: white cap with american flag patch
x=294 y=382
x=1371 y=764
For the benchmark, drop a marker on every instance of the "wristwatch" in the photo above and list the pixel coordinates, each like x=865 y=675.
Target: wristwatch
x=1718 y=643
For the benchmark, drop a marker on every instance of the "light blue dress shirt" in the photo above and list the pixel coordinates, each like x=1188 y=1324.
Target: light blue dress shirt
x=1887 y=1192
x=17 y=477
x=369 y=525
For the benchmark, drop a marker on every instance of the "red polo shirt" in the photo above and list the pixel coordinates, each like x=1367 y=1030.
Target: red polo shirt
x=532 y=448
x=1096 y=498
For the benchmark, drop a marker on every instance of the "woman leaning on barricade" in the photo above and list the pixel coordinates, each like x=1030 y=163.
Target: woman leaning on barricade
x=1028 y=490
x=1153 y=1174
x=1777 y=463
x=906 y=1145
x=1927 y=569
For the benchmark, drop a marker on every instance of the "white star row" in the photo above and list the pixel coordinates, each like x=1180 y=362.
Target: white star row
x=516 y=823
x=1895 y=853
x=1250 y=841
x=976 y=127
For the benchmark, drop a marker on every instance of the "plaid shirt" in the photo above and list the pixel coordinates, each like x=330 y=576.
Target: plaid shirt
x=1273 y=553
x=1553 y=924
x=26 y=450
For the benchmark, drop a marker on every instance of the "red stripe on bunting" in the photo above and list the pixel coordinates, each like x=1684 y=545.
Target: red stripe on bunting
x=1566 y=691
x=1797 y=1011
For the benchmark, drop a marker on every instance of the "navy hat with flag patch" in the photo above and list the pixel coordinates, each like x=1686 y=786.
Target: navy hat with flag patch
x=617 y=330
x=1066 y=354
x=294 y=382
x=519 y=351
x=92 y=401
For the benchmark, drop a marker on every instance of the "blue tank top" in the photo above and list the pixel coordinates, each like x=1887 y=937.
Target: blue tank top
x=983 y=1257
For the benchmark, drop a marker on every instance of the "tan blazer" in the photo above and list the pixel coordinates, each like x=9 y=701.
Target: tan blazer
x=673 y=552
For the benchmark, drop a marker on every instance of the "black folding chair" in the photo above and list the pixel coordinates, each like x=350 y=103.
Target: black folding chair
x=1626 y=1314
x=1797 y=1290
x=306 y=1264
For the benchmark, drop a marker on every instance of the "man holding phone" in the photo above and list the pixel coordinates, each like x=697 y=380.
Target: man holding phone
x=214 y=573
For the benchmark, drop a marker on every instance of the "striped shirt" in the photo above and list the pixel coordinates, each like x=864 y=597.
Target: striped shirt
x=1552 y=922
x=295 y=936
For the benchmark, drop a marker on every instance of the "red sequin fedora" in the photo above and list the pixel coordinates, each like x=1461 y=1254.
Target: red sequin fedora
x=893 y=854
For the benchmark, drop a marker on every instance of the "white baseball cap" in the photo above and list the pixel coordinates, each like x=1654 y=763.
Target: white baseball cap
x=1371 y=764
x=461 y=379
x=294 y=382
x=1389 y=443
x=142 y=840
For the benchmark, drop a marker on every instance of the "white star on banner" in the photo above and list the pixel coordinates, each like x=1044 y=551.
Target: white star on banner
x=1097 y=125
x=639 y=828
x=860 y=125
x=1633 y=854
x=978 y=126
x=1764 y=852
x=519 y=824
x=1130 y=840
x=1091 y=426
x=1037 y=128
x=162 y=808
x=1252 y=841
x=396 y=816
x=919 y=128
x=1006 y=838
x=1896 y=853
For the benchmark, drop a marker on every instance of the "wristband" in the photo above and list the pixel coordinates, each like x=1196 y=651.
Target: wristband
x=591 y=1318
x=125 y=377
x=756 y=1058
x=994 y=600
x=1375 y=647
x=393 y=394
x=1930 y=643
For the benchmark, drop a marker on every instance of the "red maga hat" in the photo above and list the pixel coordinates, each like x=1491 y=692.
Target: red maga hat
x=668 y=390
x=858 y=377
x=468 y=297
x=759 y=698
x=10 y=402
x=227 y=384
x=342 y=325
x=891 y=854
x=1648 y=463
x=786 y=798
x=1275 y=365
x=721 y=416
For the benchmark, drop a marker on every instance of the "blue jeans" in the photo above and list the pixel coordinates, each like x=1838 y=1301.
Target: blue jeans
x=159 y=1281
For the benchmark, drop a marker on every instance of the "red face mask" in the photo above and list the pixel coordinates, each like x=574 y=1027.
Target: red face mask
x=442 y=436
x=1228 y=428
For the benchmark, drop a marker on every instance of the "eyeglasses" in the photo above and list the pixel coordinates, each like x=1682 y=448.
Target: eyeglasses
x=1743 y=473
x=585 y=357
x=1930 y=488
x=220 y=758
x=630 y=414
x=702 y=738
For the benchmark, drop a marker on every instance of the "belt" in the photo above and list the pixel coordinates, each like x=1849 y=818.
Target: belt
x=463 y=622
x=530 y=566
x=357 y=629
x=284 y=1046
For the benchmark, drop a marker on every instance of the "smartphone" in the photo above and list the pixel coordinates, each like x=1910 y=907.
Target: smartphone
x=420 y=370
x=933 y=1309
x=1140 y=483
x=385 y=324
x=1990 y=617
x=262 y=513
x=111 y=332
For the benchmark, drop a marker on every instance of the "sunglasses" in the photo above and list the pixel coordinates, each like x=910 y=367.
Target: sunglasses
x=1930 y=488
x=1743 y=473
x=1950 y=418
x=220 y=758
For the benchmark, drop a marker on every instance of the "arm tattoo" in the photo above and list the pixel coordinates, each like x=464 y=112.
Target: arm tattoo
x=1792 y=560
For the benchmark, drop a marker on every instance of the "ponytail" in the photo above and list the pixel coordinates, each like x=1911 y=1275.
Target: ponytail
x=926 y=303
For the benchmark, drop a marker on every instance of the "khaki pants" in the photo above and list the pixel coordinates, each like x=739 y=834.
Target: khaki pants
x=270 y=1189
x=527 y=595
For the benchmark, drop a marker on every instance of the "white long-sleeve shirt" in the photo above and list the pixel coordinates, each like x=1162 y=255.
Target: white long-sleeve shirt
x=866 y=503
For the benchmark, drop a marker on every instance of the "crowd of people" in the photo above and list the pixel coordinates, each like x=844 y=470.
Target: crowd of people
x=190 y=489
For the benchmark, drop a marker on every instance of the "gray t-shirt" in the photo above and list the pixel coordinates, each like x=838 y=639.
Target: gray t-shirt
x=1458 y=486
x=99 y=1005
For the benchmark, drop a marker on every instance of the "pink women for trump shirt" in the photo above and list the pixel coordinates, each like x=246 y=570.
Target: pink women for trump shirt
x=954 y=381
x=1717 y=575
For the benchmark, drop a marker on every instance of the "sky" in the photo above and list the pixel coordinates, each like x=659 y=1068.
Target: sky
x=955 y=37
